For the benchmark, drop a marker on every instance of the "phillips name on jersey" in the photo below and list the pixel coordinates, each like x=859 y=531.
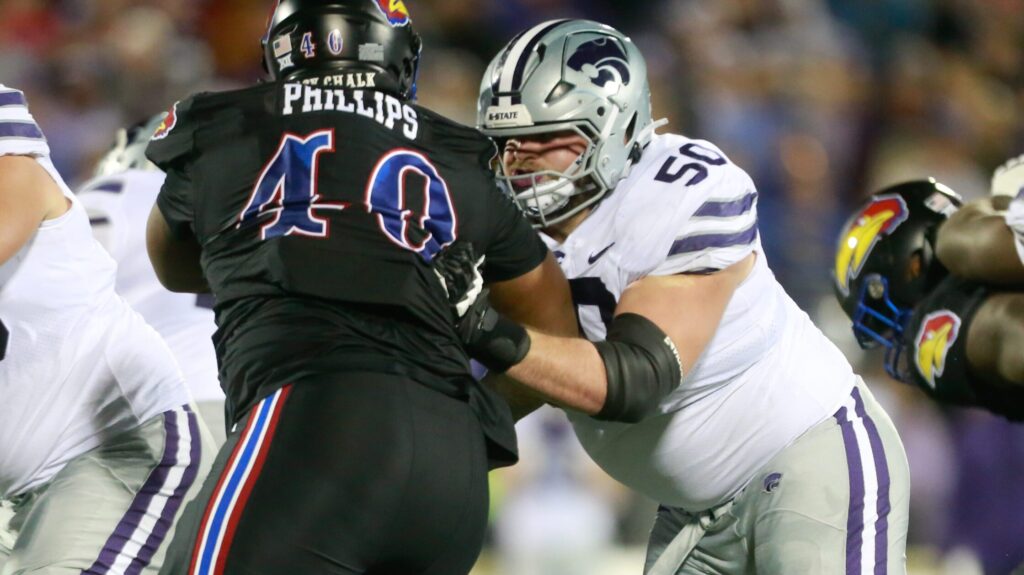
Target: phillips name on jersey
x=383 y=108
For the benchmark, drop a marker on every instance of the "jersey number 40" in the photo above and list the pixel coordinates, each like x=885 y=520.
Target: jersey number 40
x=288 y=189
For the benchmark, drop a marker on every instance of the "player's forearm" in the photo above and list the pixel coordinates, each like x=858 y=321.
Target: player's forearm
x=567 y=372
x=976 y=244
x=522 y=400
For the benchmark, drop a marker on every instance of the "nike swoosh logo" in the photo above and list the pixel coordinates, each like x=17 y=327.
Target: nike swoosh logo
x=593 y=258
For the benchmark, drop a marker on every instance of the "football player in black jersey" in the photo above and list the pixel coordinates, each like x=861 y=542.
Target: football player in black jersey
x=313 y=207
x=958 y=340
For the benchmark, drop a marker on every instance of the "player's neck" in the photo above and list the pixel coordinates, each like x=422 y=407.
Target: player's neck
x=561 y=231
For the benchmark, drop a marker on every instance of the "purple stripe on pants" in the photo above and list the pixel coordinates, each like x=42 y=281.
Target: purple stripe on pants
x=166 y=521
x=855 y=519
x=882 y=469
x=137 y=510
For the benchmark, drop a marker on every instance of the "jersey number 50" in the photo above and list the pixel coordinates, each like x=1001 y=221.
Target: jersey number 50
x=288 y=188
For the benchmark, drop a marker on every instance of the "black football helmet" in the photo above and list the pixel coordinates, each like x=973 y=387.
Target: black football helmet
x=313 y=37
x=885 y=261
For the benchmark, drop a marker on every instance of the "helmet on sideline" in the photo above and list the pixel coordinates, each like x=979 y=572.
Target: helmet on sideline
x=577 y=76
x=314 y=37
x=885 y=261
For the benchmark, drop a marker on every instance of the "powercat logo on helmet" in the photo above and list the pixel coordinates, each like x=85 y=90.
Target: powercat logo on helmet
x=395 y=11
x=602 y=60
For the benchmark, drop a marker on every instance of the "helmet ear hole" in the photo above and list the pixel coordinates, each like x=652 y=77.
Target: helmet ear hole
x=630 y=131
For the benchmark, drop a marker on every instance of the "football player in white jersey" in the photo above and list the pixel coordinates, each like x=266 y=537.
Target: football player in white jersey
x=99 y=449
x=768 y=454
x=984 y=241
x=118 y=200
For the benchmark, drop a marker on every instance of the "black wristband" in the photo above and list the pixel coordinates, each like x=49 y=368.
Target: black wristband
x=642 y=367
x=495 y=341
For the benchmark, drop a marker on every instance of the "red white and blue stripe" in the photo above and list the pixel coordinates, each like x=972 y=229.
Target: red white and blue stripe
x=227 y=503
x=867 y=524
x=143 y=529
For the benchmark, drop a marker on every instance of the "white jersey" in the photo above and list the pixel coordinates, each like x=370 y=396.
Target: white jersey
x=79 y=365
x=767 y=376
x=119 y=208
x=1015 y=219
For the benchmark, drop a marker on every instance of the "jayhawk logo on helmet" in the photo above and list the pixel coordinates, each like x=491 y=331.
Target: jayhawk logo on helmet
x=938 y=334
x=883 y=215
x=395 y=11
x=168 y=124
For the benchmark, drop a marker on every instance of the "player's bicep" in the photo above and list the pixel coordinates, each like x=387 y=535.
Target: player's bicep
x=687 y=307
x=996 y=338
x=976 y=243
x=175 y=256
x=539 y=299
x=26 y=193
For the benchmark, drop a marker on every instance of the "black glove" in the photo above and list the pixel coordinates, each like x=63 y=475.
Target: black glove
x=495 y=341
x=458 y=268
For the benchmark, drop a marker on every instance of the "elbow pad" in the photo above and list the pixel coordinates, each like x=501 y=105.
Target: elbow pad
x=642 y=364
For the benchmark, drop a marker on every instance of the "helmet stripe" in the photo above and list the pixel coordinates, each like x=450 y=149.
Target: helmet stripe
x=519 y=53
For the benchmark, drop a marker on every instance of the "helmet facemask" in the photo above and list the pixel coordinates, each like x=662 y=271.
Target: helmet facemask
x=546 y=196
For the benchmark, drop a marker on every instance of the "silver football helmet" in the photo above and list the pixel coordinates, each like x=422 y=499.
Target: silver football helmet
x=569 y=75
x=129 y=151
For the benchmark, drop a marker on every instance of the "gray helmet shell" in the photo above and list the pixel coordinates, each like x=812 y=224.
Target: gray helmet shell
x=569 y=75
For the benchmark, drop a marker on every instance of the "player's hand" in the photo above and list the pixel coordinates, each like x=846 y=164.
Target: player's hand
x=458 y=270
x=1008 y=179
x=495 y=341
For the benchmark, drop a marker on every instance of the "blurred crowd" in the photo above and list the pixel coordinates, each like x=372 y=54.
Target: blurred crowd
x=822 y=101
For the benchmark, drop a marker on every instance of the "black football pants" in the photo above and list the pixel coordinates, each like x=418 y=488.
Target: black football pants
x=354 y=473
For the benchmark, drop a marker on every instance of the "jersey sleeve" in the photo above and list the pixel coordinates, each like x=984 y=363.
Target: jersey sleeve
x=19 y=133
x=1015 y=219
x=700 y=209
x=171 y=148
x=515 y=248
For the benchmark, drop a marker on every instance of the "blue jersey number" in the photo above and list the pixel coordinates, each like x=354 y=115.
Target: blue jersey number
x=386 y=196
x=288 y=189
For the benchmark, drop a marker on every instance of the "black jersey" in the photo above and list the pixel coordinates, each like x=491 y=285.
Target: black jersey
x=938 y=351
x=319 y=211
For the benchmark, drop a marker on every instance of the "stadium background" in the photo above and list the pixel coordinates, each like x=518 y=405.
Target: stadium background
x=821 y=101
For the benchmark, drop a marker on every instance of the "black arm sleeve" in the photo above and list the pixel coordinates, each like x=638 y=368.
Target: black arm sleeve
x=642 y=364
